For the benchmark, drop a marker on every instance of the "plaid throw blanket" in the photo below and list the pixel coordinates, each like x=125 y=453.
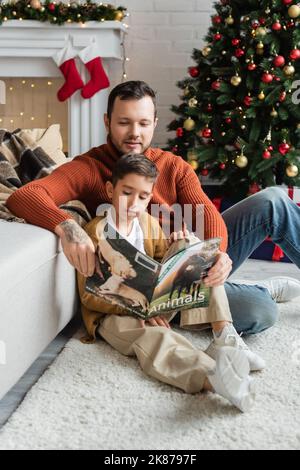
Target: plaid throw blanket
x=21 y=161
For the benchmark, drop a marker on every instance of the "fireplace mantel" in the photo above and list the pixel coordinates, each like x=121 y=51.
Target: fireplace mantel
x=26 y=50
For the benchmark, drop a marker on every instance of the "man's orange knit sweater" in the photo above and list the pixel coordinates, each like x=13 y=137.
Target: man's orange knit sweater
x=84 y=179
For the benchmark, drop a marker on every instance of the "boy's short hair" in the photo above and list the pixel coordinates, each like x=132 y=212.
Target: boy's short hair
x=132 y=90
x=134 y=163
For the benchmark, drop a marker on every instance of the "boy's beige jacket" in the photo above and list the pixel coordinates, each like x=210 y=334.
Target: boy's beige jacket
x=93 y=307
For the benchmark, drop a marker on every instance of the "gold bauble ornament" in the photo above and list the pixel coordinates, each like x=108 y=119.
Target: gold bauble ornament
x=186 y=91
x=294 y=11
x=260 y=51
x=261 y=96
x=292 y=171
x=194 y=164
x=260 y=45
x=274 y=113
x=35 y=4
x=206 y=51
x=298 y=126
x=289 y=70
x=119 y=15
x=229 y=20
x=193 y=103
x=189 y=124
x=236 y=80
x=191 y=155
x=261 y=31
x=241 y=161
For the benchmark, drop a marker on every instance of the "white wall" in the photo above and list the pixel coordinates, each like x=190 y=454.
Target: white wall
x=161 y=38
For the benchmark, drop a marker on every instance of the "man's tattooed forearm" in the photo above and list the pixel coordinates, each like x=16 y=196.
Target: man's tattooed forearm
x=73 y=232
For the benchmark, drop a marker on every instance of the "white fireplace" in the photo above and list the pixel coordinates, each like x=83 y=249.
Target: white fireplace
x=26 y=50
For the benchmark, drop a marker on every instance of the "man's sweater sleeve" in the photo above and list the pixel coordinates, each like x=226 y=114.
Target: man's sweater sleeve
x=37 y=202
x=189 y=191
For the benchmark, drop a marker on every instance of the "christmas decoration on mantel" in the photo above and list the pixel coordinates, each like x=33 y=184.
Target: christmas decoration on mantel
x=60 y=13
x=239 y=120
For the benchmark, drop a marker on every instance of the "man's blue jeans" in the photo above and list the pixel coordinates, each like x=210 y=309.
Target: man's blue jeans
x=268 y=213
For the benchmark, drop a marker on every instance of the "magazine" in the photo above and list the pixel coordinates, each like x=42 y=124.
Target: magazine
x=151 y=288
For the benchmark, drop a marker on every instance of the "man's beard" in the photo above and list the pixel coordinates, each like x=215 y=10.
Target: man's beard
x=121 y=152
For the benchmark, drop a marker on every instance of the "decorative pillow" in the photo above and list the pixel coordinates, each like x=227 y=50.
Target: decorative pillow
x=49 y=140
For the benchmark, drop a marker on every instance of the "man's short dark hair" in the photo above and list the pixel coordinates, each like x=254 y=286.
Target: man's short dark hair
x=134 y=163
x=132 y=90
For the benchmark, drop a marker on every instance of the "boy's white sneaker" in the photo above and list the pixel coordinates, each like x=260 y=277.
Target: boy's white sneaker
x=281 y=288
x=230 y=337
x=231 y=380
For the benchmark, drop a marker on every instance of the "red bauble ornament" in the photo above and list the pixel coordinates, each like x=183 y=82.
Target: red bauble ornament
x=51 y=6
x=175 y=149
x=252 y=66
x=179 y=132
x=206 y=133
x=222 y=166
x=291 y=24
x=254 y=188
x=295 y=54
x=255 y=24
x=284 y=148
x=270 y=148
x=266 y=155
x=228 y=120
x=267 y=77
x=209 y=107
x=217 y=19
x=194 y=72
x=277 y=26
x=262 y=21
x=282 y=97
x=204 y=172
x=279 y=61
x=235 y=42
x=247 y=100
x=216 y=85
x=239 y=53
x=287 y=2
x=218 y=37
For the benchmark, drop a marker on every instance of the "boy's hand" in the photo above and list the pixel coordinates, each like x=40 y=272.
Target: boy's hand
x=219 y=273
x=156 y=321
x=182 y=234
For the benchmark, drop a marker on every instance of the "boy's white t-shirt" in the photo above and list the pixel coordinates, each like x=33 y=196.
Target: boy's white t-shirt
x=136 y=236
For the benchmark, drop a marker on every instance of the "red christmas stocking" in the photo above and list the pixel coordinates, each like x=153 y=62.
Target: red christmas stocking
x=93 y=63
x=65 y=60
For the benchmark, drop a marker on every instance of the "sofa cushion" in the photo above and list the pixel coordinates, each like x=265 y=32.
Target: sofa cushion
x=50 y=140
x=24 y=249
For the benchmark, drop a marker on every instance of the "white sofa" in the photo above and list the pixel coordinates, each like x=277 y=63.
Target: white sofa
x=38 y=296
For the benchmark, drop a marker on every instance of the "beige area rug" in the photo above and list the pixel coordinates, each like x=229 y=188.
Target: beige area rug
x=93 y=398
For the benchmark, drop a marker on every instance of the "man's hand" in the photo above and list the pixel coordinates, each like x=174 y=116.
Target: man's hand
x=219 y=273
x=77 y=246
x=156 y=321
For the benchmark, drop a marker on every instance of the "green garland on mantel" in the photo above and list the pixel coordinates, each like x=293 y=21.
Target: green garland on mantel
x=59 y=13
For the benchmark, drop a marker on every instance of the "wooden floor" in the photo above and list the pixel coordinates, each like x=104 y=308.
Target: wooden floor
x=251 y=270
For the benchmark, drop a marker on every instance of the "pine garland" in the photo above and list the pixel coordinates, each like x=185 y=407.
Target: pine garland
x=59 y=13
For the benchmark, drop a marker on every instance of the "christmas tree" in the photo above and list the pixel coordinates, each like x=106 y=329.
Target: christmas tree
x=239 y=120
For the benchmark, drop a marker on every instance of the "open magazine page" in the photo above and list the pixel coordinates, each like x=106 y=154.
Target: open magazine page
x=180 y=283
x=133 y=291
x=180 y=245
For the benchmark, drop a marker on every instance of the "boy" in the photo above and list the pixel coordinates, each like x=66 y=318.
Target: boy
x=161 y=352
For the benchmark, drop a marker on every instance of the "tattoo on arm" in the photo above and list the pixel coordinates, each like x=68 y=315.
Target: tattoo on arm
x=73 y=232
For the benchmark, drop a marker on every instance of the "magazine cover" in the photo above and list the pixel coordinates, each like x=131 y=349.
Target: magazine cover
x=149 y=288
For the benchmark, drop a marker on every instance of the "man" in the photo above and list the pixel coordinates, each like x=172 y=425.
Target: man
x=130 y=122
